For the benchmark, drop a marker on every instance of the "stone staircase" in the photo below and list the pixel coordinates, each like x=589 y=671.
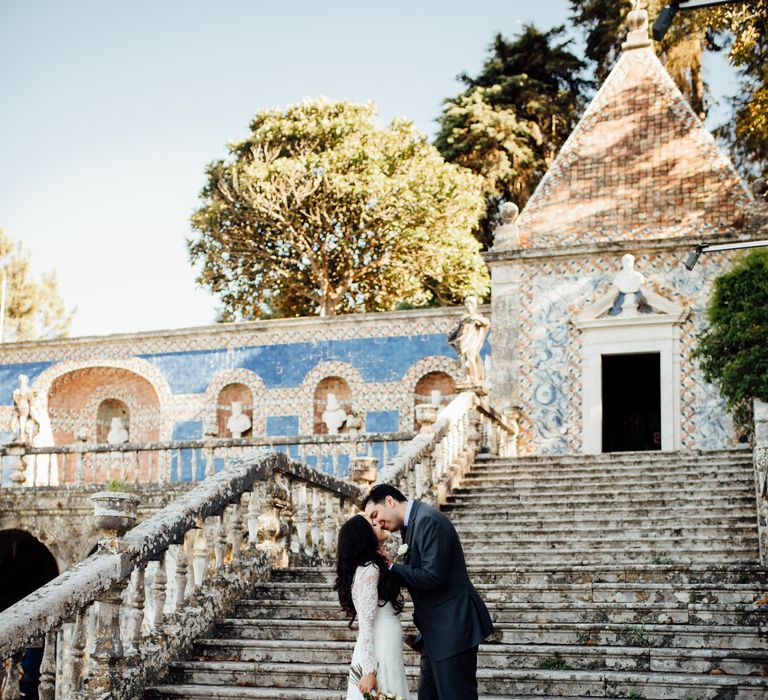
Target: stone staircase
x=626 y=576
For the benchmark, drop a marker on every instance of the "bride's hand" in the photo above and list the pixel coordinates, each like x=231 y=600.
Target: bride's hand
x=367 y=683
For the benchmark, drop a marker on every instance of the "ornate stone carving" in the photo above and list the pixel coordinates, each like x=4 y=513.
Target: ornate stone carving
x=334 y=415
x=467 y=339
x=118 y=432
x=506 y=235
x=238 y=422
x=24 y=423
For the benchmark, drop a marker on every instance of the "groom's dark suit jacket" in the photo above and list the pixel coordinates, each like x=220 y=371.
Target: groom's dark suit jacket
x=448 y=611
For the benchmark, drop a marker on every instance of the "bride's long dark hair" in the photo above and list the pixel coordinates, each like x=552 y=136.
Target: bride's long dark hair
x=357 y=546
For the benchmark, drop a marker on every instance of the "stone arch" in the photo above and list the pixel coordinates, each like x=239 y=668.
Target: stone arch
x=26 y=563
x=431 y=364
x=142 y=368
x=104 y=393
x=312 y=380
x=224 y=378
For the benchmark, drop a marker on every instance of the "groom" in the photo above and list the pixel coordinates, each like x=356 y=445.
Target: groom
x=449 y=613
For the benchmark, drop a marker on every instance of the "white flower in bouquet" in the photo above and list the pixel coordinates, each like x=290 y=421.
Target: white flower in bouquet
x=402 y=550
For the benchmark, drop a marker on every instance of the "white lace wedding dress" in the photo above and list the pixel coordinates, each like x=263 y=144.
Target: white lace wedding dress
x=379 y=645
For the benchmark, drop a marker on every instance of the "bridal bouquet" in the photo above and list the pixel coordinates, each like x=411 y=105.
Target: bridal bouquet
x=356 y=673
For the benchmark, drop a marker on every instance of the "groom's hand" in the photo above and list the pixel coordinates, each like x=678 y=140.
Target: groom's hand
x=387 y=558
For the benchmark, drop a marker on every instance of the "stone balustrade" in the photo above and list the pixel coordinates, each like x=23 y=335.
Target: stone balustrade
x=183 y=460
x=111 y=624
x=760 y=458
x=431 y=465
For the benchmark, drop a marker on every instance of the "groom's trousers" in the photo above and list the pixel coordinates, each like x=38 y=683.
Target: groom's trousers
x=454 y=678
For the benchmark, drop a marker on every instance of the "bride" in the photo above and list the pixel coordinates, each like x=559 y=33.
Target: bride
x=369 y=591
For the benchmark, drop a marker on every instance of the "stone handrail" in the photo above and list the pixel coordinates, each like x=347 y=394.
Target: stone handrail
x=234 y=527
x=164 y=462
x=432 y=464
x=760 y=459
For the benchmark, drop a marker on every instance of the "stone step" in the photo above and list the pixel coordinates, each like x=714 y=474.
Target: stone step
x=525 y=486
x=565 y=556
x=656 y=457
x=730 y=661
x=620 y=470
x=566 y=633
x=630 y=612
x=666 y=536
x=543 y=574
x=531 y=593
x=495 y=681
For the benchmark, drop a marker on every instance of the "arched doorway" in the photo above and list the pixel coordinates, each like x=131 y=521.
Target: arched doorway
x=26 y=564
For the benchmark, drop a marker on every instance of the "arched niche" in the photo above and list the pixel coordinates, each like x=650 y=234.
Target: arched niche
x=434 y=387
x=25 y=565
x=331 y=393
x=109 y=410
x=240 y=395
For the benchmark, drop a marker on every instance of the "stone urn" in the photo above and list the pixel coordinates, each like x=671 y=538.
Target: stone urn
x=115 y=511
x=426 y=415
x=364 y=470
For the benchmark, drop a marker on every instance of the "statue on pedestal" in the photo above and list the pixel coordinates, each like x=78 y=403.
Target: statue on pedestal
x=467 y=339
x=629 y=282
x=24 y=423
x=238 y=422
x=334 y=416
x=506 y=235
x=118 y=432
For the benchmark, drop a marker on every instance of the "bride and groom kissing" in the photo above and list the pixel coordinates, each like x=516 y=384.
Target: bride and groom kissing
x=451 y=618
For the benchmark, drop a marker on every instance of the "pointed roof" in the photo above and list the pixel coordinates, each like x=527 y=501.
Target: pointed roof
x=638 y=165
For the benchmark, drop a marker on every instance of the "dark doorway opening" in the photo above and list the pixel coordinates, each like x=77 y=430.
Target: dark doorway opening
x=631 y=402
x=25 y=565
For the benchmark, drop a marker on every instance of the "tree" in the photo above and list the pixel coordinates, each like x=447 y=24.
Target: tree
x=34 y=310
x=512 y=118
x=742 y=29
x=320 y=211
x=681 y=50
x=733 y=350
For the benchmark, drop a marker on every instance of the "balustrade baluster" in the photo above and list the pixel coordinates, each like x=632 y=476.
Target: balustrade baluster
x=210 y=468
x=236 y=532
x=159 y=583
x=200 y=557
x=220 y=542
x=302 y=518
x=180 y=578
x=47 y=684
x=254 y=508
x=123 y=466
x=135 y=612
x=11 y=689
x=74 y=669
x=317 y=515
x=107 y=650
x=31 y=469
x=329 y=530
x=411 y=482
x=195 y=464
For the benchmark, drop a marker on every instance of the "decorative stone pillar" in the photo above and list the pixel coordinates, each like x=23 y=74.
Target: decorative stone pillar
x=107 y=651
x=364 y=470
x=426 y=415
x=14 y=456
x=273 y=532
x=760 y=457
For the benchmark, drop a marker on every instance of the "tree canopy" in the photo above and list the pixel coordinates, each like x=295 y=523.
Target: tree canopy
x=34 y=310
x=511 y=119
x=321 y=211
x=733 y=350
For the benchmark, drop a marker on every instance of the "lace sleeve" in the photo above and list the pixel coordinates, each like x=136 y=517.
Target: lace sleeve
x=365 y=596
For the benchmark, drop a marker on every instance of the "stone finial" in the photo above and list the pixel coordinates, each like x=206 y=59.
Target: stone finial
x=506 y=235
x=637 y=23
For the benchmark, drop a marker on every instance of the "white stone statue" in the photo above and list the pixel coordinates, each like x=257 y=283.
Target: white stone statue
x=334 y=416
x=118 y=432
x=467 y=339
x=506 y=235
x=24 y=424
x=436 y=397
x=629 y=282
x=238 y=422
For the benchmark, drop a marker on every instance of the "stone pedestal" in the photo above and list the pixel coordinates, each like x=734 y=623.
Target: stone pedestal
x=426 y=415
x=364 y=470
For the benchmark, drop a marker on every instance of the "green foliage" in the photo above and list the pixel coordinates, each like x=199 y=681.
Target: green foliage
x=661 y=559
x=512 y=118
x=681 y=50
x=555 y=662
x=34 y=310
x=118 y=485
x=733 y=350
x=692 y=597
x=635 y=635
x=322 y=211
x=635 y=695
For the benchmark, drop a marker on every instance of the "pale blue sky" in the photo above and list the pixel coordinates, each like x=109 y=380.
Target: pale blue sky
x=109 y=112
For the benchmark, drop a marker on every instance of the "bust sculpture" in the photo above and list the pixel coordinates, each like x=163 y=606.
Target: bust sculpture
x=118 y=432
x=334 y=416
x=24 y=425
x=506 y=235
x=629 y=282
x=238 y=422
x=467 y=339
